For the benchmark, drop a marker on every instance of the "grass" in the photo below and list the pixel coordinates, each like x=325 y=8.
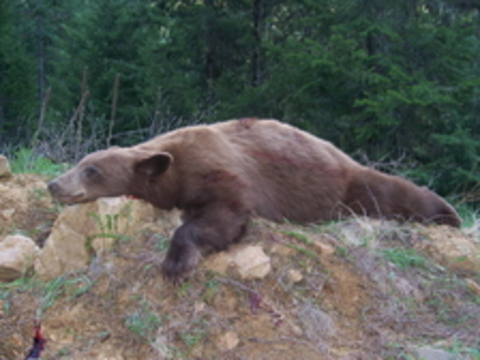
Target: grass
x=302 y=238
x=469 y=215
x=26 y=161
x=144 y=322
x=212 y=287
x=404 y=258
x=298 y=236
x=48 y=291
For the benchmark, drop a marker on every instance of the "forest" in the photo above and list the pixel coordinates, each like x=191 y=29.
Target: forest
x=396 y=84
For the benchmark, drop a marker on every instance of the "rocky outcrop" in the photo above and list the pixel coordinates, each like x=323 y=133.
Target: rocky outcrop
x=25 y=205
x=83 y=231
x=452 y=249
x=17 y=255
x=4 y=167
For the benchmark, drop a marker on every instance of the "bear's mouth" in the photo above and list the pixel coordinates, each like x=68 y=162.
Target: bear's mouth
x=72 y=199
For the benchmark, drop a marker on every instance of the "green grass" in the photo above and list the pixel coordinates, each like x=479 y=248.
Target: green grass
x=404 y=258
x=298 y=236
x=48 y=291
x=143 y=322
x=26 y=161
x=469 y=215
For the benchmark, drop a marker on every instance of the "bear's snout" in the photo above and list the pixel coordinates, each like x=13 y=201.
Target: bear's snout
x=67 y=191
x=53 y=188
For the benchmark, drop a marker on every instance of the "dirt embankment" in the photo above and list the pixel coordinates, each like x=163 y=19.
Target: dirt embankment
x=358 y=289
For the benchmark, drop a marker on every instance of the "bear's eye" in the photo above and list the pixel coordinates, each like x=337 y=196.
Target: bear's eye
x=90 y=172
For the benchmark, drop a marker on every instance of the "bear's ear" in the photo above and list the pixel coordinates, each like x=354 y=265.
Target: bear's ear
x=154 y=165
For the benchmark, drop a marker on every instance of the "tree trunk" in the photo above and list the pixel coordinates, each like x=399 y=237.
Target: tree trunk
x=257 y=15
x=41 y=51
x=209 y=45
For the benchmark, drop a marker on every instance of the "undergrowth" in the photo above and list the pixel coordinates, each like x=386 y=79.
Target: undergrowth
x=27 y=161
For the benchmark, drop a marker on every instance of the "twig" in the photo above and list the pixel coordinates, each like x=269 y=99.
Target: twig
x=114 y=109
x=43 y=111
x=80 y=113
x=77 y=118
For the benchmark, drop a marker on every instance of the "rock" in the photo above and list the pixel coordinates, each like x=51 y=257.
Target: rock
x=317 y=324
x=355 y=231
x=452 y=249
x=473 y=286
x=81 y=231
x=25 y=204
x=227 y=341
x=294 y=276
x=17 y=254
x=4 y=167
x=282 y=250
x=219 y=262
x=430 y=353
x=198 y=307
x=249 y=261
x=323 y=248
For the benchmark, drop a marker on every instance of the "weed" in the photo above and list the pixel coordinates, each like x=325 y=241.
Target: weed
x=469 y=215
x=64 y=351
x=404 y=258
x=23 y=284
x=299 y=236
x=82 y=284
x=303 y=251
x=183 y=288
x=194 y=336
x=343 y=252
x=190 y=339
x=211 y=289
x=109 y=228
x=54 y=290
x=109 y=225
x=144 y=322
x=26 y=161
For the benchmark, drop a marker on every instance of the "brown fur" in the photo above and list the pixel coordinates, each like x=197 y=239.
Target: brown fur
x=220 y=174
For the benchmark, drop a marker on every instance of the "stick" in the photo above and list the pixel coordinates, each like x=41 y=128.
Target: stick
x=113 y=112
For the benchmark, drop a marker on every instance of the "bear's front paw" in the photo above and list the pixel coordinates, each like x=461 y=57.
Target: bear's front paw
x=180 y=264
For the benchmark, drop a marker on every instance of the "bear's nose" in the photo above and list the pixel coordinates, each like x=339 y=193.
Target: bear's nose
x=53 y=187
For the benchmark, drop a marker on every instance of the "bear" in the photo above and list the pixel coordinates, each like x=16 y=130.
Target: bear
x=222 y=174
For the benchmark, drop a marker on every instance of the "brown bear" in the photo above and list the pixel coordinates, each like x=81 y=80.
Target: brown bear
x=221 y=174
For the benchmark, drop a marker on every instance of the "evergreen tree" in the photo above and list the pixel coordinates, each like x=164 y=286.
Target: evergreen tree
x=393 y=80
x=17 y=80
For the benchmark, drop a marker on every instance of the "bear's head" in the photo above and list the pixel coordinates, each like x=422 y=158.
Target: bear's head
x=112 y=172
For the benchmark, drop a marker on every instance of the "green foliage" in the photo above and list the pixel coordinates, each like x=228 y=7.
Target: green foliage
x=404 y=258
x=299 y=236
x=26 y=161
x=395 y=80
x=143 y=322
x=17 y=76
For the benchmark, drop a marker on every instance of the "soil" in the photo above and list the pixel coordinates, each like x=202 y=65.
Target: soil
x=324 y=298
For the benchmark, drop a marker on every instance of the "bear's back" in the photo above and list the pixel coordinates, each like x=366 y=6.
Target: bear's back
x=295 y=175
x=286 y=172
x=276 y=140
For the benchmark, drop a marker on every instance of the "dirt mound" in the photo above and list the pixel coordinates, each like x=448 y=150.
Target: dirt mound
x=358 y=289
